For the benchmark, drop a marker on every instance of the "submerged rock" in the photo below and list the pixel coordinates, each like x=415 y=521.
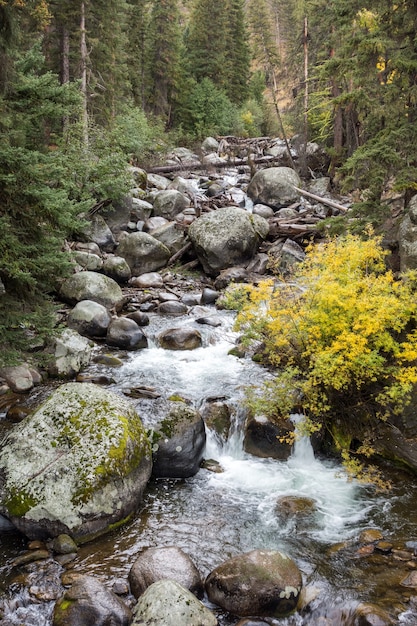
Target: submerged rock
x=78 y=465
x=88 y=602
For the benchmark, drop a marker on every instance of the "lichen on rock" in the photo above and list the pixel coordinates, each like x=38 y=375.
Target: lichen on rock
x=79 y=464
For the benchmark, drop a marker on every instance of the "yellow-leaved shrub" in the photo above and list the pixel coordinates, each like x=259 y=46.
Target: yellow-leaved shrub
x=340 y=335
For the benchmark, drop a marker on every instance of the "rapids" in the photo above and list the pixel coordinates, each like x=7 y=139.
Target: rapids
x=213 y=516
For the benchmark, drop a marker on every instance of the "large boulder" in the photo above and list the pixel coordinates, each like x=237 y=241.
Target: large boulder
x=168 y=562
x=97 y=230
x=266 y=439
x=70 y=353
x=265 y=583
x=143 y=253
x=117 y=268
x=167 y=603
x=89 y=318
x=181 y=338
x=92 y=286
x=89 y=602
x=180 y=443
x=125 y=333
x=274 y=187
x=169 y=203
x=226 y=237
x=77 y=465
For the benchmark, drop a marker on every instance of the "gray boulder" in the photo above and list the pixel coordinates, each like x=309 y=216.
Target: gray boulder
x=125 y=333
x=168 y=562
x=70 y=354
x=180 y=442
x=92 y=286
x=89 y=602
x=226 y=237
x=97 y=231
x=89 y=318
x=171 y=236
x=274 y=187
x=143 y=253
x=265 y=583
x=78 y=465
x=20 y=378
x=180 y=339
x=116 y=268
x=167 y=603
x=87 y=261
x=169 y=202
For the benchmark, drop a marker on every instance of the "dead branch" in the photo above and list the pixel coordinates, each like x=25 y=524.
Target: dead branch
x=326 y=201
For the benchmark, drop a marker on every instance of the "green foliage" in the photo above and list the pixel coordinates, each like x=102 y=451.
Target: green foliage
x=342 y=336
x=209 y=111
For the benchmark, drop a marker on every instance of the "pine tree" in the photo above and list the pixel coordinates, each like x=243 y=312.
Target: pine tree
x=238 y=62
x=163 y=57
x=138 y=27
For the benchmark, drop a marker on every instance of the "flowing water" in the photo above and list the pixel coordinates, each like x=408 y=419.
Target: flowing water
x=213 y=516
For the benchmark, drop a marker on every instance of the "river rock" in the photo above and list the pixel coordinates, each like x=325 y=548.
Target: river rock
x=70 y=353
x=88 y=602
x=184 y=185
x=295 y=508
x=180 y=442
x=167 y=603
x=153 y=223
x=150 y=279
x=117 y=268
x=141 y=319
x=263 y=211
x=143 y=253
x=141 y=210
x=97 y=231
x=87 y=261
x=265 y=583
x=124 y=333
x=168 y=562
x=264 y=439
x=226 y=237
x=169 y=202
x=92 y=286
x=231 y=275
x=78 y=465
x=89 y=318
x=19 y=377
x=180 y=339
x=157 y=181
x=285 y=255
x=171 y=236
x=210 y=144
x=274 y=186
x=172 y=307
x=216 y=416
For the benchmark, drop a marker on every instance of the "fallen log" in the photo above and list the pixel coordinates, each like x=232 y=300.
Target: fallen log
x=180 y=253
x=197 y=165
x=326 y=201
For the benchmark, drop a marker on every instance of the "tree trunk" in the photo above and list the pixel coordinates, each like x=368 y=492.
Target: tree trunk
x=84 y=55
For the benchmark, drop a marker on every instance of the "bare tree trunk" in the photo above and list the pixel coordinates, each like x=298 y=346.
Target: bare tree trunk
x=65 y=52
x=281 y=125
x=84 y=55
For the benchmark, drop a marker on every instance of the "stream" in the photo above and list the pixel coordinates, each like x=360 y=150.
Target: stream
x=213 y=516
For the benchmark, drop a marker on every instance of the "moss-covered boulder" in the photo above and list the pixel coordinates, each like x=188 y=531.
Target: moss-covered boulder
x=78 y=465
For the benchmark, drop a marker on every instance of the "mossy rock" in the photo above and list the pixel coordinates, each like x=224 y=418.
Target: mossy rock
x=78 y=465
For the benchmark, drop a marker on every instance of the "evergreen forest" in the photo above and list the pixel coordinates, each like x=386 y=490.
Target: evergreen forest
x=90 y=86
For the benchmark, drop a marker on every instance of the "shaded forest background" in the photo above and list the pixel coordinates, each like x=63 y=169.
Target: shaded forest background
x=89 y=86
